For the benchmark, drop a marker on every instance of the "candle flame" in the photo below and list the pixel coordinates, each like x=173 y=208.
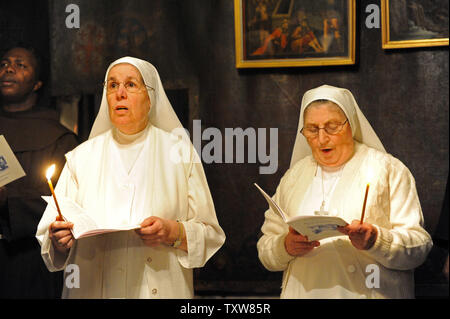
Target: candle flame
x=50 y=172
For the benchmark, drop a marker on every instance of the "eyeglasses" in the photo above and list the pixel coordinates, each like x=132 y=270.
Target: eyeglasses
x=331 y=128
x=131 y=86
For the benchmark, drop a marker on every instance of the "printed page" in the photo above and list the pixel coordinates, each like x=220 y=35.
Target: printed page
x=317 y=227
x=314 y=227
x=73 y=213
x=104 y=231
x=10 y=168
x=83 y=224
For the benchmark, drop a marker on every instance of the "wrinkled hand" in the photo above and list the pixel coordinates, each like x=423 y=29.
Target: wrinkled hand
x=155 y=231
x=362 y=236
x=3 y=195
x=298 y=245
x=60 y=235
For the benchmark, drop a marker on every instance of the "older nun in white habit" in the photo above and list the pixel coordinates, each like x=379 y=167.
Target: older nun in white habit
x=334 y=150
x=125 y=173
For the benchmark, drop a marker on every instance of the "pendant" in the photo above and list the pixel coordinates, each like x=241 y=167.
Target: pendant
x=322 y=211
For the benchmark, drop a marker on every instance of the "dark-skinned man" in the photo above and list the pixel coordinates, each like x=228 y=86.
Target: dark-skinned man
x=37 y=140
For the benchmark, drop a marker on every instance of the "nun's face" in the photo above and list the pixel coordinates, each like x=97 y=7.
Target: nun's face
x=329 y=150
x=128 y=111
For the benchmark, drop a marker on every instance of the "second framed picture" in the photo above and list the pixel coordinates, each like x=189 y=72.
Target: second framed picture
x=414 y=23
x=294 y=33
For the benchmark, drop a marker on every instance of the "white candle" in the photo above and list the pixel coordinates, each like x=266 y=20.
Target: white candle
x=369 y=178
x=49 y=175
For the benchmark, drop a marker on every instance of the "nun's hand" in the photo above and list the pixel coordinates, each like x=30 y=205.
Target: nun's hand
x=155 y=231
x=298 y=245
x=362 y=236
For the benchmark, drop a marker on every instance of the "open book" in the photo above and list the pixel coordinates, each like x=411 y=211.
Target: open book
x=314 y=227
x=10 y=168
x=83 y=224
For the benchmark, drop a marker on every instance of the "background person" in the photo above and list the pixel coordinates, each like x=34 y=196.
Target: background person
x=37 y=139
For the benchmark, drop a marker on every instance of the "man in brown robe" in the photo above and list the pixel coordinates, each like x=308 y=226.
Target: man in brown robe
x=37 y=140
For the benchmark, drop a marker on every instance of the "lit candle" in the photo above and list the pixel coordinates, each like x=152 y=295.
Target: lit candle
x=49 y=175
x=369 y=177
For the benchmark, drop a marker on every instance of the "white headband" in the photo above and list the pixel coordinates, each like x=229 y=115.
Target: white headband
x=362 y=131
x=161 y=112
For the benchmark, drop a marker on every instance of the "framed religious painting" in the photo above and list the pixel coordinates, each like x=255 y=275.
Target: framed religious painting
x=414 y=23
x=294 y=33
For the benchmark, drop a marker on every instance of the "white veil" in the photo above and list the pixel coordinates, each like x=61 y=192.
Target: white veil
x=362 y=131
x=161 y=112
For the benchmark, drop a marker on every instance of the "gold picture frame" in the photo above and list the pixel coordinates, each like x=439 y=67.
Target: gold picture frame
x=411 y=24
x=294 y=33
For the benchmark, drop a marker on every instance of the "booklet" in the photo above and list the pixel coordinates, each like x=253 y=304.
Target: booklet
x=314 y=227
x=10 y=168
x=83 y=224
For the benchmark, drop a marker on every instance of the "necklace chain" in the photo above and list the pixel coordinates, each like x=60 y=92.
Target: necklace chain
x=336 y=178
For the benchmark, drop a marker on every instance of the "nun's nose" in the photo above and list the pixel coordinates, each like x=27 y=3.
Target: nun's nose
x=121 y=92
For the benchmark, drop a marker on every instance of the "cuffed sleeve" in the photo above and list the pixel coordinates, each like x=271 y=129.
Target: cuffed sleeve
x=271 y=249
x=406 y=245
x=53 y=259
x=204 y=236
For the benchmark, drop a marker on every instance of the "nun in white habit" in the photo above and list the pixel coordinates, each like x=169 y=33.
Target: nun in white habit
x=134 y=170
x=334 y=152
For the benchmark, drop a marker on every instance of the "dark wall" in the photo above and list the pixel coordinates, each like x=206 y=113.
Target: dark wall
x=110 y=30
x=26 y=22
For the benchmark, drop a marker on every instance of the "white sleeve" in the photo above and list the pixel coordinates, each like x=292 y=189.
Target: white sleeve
x=203 y=233
x=53 y=259
x=407 y=244
x=271 y=250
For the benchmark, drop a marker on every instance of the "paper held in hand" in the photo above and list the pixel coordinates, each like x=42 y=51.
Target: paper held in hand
x=10 y=168
x=83 y=224
x=314 y=227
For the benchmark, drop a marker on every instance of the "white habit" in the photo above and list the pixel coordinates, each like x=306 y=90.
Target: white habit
x=119 y=265
x=336 y=269
x=123 y=179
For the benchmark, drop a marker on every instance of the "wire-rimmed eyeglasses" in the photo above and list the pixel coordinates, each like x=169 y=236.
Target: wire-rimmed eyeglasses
x=332 y=128
x=131 y=86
